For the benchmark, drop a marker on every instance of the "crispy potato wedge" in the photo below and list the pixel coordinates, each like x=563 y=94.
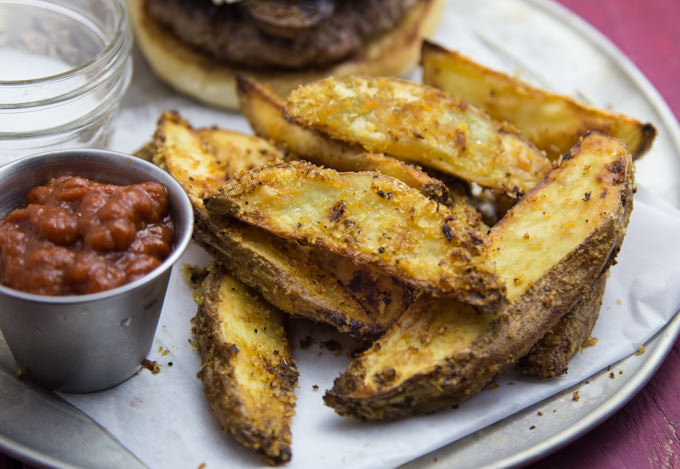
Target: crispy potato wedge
x=422 y=124
x=248 y=372
x=548 y=249
x=266 y=113
x=550 y=356
x=552 y=122
x=369 y=217
x=293 y=278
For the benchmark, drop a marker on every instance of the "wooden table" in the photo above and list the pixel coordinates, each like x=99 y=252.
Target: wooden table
x=644 y=433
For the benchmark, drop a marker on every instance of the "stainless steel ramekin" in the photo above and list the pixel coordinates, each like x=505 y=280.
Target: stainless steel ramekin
x=90 y=342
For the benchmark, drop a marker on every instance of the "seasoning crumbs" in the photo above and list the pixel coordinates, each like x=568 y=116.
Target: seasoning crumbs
x=590 y=342
x=576 y=396
x=152 y=366
x=306 y=342
x=332 y=346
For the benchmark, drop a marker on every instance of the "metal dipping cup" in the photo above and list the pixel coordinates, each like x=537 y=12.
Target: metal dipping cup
x=85 y=343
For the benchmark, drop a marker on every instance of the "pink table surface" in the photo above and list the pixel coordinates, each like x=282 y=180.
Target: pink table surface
x=644 y=433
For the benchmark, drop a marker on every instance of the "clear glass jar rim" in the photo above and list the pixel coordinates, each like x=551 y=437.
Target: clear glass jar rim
x=119 y=59
x=83 y=121
x=121 y=30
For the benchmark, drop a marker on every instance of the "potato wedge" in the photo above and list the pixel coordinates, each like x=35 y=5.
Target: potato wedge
x=552 y=122
x=248 y=372
x=548 y=249
x=550 y=356
x=293 y=278
x=369 y=217
x=422 y=124
x=266 y=113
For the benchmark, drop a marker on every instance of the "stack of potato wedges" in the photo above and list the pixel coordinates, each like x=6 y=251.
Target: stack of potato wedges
x=356 y=206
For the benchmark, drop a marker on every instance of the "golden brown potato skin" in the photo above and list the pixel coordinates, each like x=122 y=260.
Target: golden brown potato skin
x=248 y=372
x=549 y=357
x=417 y=368
x=552 y=122
x=265 y=112
x=298 y=280
x=372 y=219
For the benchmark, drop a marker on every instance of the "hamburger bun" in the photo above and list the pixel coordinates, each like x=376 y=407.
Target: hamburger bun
x=190 y=72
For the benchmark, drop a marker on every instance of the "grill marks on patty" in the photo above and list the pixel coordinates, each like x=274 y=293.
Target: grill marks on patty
x=229 y=33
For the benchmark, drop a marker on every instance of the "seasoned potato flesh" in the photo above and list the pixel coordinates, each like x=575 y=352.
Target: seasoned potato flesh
x=295 y=279
x=550 y=356
x=439 y=329
x=247 y=369
x=535 y=234
x=419 y=366
x=552 y=122
x=266 y=113
x=447 y=352
x=369 y=217
x=422 y=124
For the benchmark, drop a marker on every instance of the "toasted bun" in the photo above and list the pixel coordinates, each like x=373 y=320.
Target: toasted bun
x=393 y=53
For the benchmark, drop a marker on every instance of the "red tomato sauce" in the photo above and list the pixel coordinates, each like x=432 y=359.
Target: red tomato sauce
x=78 y=236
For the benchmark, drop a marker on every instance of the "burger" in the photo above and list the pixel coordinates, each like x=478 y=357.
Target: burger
x=199 y=46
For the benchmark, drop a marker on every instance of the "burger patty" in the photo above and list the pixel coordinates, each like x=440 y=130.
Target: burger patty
x=327 y=32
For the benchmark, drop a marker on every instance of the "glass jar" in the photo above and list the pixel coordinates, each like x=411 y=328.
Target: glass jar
x=64 y=66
